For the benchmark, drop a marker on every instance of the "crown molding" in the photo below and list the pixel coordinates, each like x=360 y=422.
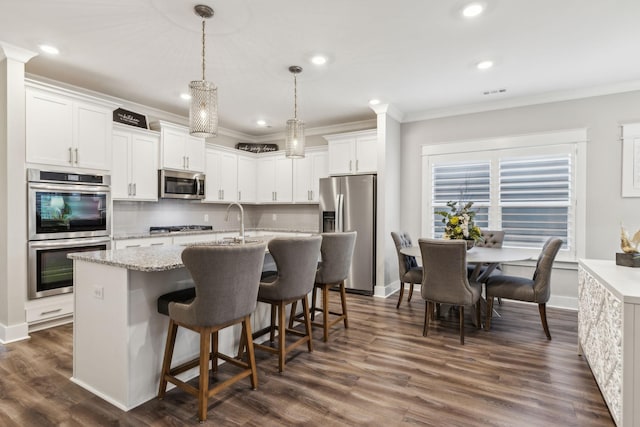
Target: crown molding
x=389 y=110
x=322 y=130
x=557 y=96
x=16 y=53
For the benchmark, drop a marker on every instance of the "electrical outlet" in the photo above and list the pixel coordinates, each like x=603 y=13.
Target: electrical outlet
x=274 y=217
x=98 y=292
x=206 y=217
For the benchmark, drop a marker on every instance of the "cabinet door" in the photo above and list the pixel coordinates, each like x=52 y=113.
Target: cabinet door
x=283 y=185
x=92 y=136
x=246 y=179
x=319 y=169
x=342 y=156
x=229 y=177
x=366 y=154
x=120 y=171
x=172 y=149
x=49 y=128
x=212 y=184
x=302 y=171
x=194 y=150
x=265 y=178
x=144 y=167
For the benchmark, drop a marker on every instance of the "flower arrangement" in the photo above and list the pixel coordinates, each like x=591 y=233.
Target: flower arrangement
x=458 y=222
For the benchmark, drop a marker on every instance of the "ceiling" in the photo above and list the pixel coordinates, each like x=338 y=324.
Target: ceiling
x=418 y=56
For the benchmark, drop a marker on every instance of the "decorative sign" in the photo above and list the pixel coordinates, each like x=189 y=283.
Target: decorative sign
x=256 y=148
x=130 y=118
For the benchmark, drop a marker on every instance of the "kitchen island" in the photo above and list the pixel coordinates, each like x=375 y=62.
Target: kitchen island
x=118 y=335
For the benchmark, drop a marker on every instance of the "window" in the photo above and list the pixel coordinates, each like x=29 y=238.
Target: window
x=525 y=186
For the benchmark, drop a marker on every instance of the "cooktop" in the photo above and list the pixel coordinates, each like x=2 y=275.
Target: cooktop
x=174 y=228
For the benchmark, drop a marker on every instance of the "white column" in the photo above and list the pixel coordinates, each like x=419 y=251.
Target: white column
x=389 y=203
x=13 y=194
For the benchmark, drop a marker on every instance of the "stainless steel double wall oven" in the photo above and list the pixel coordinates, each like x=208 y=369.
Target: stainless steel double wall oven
x=68 y=212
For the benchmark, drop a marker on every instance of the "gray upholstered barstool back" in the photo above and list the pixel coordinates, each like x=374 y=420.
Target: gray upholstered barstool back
x=336 y=252
x=226 y=280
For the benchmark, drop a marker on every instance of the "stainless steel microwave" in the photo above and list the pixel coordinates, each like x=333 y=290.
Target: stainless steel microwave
x=180 y=185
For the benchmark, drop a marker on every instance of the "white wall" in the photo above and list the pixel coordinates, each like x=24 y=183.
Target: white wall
x=601 y=116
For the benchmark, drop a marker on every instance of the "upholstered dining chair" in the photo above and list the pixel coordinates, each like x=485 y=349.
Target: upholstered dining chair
x=226 y=282
x=408 y=268
x=490 y=239
x=296 y=259
x=333 y=270
x=536 y=290
x=445 y=281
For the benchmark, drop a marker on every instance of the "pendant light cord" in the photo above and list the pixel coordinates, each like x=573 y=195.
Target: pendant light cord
x=295 y=96
x=203 y=25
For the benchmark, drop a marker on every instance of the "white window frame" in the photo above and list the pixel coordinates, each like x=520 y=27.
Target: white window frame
x=575 y=139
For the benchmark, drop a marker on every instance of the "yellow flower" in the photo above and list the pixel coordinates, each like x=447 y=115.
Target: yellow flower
x=454 y=220
x=458 y=230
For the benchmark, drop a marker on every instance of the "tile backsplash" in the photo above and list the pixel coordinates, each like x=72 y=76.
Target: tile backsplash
x=136 y=217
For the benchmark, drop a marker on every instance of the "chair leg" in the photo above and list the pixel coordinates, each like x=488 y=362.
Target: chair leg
x=410 y=293
x=543 y=316
x=343 y=301
x=281 y=335
x=214 y=351
x=307 y=322
x=461 y=324
x=246 y=331
x=203 y=390
x=428 y=309
x=487 y=323
x=168 y=355
x=479 y=314
x=272 y=329
x=325 y=312
x=292 y=313
x=313 y=303
x=401 y=294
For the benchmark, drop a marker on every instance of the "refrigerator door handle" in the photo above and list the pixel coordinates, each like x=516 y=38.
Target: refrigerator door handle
x=340 y=221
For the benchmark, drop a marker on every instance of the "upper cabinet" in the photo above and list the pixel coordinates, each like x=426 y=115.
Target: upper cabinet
x=247 y=178
x=65 y=128
x=179 y=150
x=307 y=173
x=134 y=175
x=221 y=176
x=274 y=174
x=353 y=153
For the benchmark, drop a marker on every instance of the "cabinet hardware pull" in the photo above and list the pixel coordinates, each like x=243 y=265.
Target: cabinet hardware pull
x=239 y=195
x=222 y=194
x=350 y=162
x=132 y=246
x=129 y=189
x=44 y=313
x=157 y=244
x=76 y=156
x=70 y=155
x=135 y=190
x=184 y=162
x=357 y=168
x=311 y=191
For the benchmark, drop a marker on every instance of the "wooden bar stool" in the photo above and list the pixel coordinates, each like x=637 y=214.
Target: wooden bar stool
x=226 y=288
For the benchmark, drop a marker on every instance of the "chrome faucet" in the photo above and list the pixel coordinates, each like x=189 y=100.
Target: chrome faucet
x=241 y=218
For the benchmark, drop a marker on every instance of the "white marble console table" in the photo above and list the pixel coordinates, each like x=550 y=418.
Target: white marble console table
x=609 y=334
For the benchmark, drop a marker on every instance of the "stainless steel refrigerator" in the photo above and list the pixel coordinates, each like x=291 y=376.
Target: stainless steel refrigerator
x=348 y=203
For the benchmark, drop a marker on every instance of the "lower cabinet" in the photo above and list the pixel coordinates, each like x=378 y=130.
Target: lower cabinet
x=49 y=311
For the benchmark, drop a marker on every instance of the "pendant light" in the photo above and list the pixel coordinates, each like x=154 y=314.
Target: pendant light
x=203 y=112
x=294 y=143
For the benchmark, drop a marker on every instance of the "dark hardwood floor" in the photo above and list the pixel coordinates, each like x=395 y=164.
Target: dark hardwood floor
x=381 y=371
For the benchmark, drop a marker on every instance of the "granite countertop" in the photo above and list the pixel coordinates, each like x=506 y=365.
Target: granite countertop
x=144 y=234
x=149 y=258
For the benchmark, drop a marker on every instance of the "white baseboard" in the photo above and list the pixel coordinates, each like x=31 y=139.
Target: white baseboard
x=386 y=290
x=13 y=333
x=568 y=303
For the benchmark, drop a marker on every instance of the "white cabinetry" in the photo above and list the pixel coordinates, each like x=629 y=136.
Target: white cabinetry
x=307 y=173
x=68 y=129
x=274 y=179
x=134 y=175
x=609 y=334
x=247 y=178
x=221 y=175
x=353 y=152
x=178 y=149
x=142 y=242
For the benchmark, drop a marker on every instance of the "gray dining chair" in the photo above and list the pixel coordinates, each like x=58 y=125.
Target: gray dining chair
x=408 y=269
x=536 y=290
x=490 y=239
x=445 y=281
x=226 y=282
x=296 y=261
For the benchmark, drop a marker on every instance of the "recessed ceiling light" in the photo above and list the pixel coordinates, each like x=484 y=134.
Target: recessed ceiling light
x=484 y=65
x=261 y=123
x=374 y=101
x=49 y=49
x=472 y=10
x=319 y=60
x=185 y=96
